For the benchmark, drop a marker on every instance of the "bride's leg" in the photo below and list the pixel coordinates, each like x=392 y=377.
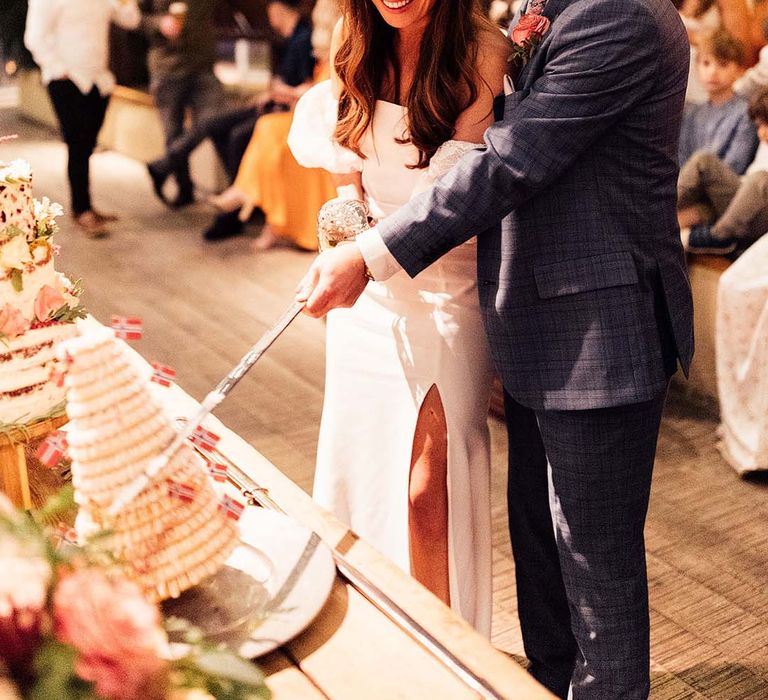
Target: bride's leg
x=428 y=498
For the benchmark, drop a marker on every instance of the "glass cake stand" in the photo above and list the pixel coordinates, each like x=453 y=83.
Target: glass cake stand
x=271 y=588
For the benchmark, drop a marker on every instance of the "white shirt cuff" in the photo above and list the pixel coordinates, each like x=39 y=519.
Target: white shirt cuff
x=380 y=261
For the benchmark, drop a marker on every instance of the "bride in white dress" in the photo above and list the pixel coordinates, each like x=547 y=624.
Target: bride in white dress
x=403 y=455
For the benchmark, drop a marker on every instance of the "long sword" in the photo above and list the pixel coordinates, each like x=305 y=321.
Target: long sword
x=258 y=495
x=338 y=221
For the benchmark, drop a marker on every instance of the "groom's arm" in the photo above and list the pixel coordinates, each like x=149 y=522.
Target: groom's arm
x=602 y=61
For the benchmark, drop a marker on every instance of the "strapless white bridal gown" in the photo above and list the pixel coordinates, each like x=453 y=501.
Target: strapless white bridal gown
x=384 y=354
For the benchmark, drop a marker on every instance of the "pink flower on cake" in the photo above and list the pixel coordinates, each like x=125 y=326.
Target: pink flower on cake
x=12 y=323
x=116 y=632
x=48 y=300
x=14 y=253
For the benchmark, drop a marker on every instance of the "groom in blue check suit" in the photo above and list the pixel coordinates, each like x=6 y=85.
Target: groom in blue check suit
x=583 y=284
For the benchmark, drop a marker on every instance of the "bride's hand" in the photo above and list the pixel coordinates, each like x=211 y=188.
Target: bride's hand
x=335 y=280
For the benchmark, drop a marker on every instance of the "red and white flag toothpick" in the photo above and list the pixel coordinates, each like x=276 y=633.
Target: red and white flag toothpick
x=163 y=374
x=128 y=327
x=217 y=471
x=231 y=508
x=204 y=439
x=183 y=491
x=57 y=375
x=65 y=535
x=53 y=449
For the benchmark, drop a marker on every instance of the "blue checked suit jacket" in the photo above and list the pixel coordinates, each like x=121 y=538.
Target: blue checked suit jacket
x=581 y=274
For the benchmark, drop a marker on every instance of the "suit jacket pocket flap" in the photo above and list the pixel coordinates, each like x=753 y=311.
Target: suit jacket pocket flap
x=585 y=274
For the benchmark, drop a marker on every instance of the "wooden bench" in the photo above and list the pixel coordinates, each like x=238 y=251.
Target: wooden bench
x=705 y=272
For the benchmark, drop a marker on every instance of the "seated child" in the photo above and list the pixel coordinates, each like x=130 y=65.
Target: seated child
x=721 y=125
x=722 y=209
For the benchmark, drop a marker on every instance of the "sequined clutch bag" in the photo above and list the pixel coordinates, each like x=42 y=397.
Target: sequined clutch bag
x=341 y=220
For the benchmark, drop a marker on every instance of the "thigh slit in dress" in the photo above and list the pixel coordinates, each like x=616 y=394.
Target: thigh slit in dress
x=384 y=354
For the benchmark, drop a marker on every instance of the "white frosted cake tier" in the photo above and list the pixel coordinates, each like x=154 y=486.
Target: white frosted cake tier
x=26 y=392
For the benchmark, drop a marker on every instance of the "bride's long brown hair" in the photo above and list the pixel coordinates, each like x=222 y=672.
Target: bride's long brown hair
x=444 y=84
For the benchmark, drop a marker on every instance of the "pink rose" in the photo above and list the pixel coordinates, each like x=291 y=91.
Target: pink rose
x=529 y=27
x=48 y=300
x=116 y=632
x=12 y=323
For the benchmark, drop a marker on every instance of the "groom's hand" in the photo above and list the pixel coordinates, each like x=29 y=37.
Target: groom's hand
x=335 y=280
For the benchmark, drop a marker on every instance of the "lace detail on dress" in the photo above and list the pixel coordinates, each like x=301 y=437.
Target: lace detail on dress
x=447 y=155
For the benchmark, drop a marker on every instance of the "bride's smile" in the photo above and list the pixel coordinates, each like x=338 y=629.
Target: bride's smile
x=403 y=13
x=397 y=5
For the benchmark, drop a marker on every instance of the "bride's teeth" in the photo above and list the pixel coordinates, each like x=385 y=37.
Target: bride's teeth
x=396 y=5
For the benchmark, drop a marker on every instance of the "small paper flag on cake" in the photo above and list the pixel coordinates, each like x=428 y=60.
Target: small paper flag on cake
x=184 y=492
x=128 y=327
x=204 y=439
x=163 y=374
x=52 y=449
x=231 y=508
x=217 y=471
x=65 y=535
x=57 y=375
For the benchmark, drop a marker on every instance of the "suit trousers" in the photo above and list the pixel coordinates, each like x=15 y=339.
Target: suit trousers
x=80 y=118
x=578 y=491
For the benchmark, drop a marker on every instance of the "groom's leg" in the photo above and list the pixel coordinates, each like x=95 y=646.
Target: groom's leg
x=601 y=462
x=541 y=599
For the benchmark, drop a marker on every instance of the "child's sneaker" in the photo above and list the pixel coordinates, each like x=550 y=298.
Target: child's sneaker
x=702 y=242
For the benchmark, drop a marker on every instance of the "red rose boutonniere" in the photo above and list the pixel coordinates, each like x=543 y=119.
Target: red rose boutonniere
x=526 y=36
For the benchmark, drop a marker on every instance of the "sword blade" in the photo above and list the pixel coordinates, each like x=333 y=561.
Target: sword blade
x=209 y=403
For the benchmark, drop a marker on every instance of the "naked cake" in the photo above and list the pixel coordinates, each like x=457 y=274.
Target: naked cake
x=38 y=306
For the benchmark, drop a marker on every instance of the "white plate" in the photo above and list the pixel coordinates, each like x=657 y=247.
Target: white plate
x=270 y=589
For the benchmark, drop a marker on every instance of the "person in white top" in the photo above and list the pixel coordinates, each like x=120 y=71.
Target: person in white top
x=69 y=41
x=403 y=455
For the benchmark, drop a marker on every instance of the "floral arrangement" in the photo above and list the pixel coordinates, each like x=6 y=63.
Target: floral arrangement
x=527 y=34
x=71 y=628
x=21 y=253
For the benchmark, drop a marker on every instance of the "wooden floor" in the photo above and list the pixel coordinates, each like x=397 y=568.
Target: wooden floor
x=203 y=305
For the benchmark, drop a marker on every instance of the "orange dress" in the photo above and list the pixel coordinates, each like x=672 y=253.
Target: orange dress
x=289 y=195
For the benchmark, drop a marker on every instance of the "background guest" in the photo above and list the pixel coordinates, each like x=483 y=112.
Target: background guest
x=292 y=77
x=741 y=355
x=702 y=17
x=721 y=125
x=69 y=41
x=269 y=177
x=722 y=208
x=755 y=79
x=182 y=51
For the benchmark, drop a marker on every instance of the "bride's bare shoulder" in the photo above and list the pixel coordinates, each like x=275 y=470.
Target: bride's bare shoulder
x=493 y=51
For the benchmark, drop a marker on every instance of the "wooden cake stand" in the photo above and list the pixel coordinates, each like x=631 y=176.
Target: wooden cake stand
x=13 y=459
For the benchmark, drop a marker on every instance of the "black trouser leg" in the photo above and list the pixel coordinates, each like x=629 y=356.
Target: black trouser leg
x=601 y=462
x=239 y=138
x=542 y=603
x=80 y=118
